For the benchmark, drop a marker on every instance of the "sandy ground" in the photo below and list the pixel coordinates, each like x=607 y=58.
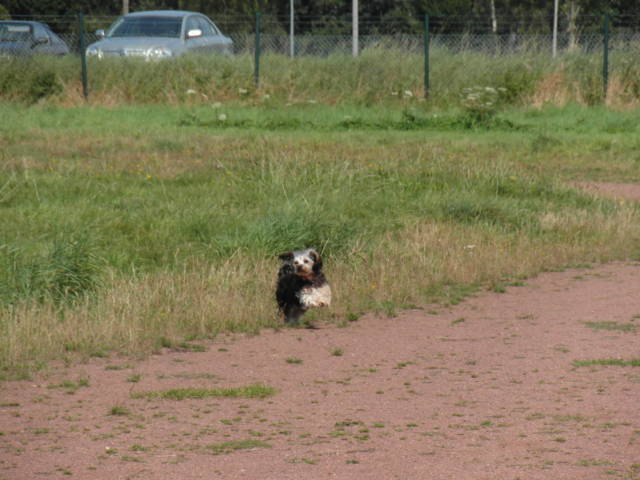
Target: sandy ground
x=488 y=389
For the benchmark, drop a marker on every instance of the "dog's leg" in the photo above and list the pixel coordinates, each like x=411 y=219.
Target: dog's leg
x=293 y=315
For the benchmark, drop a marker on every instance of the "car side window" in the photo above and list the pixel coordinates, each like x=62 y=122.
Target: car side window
x=39 y=32
x=54 y=38
x=207 y=31
x=192 y=23
x=215 y=29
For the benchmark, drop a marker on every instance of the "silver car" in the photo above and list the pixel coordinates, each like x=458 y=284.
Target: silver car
x=160 y=34
x=22 y=39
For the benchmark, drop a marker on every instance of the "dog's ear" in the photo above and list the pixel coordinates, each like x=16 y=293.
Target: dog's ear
x=317 y=260
x=286 y=257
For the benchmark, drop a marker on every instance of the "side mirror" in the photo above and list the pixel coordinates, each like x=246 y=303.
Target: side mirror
x=100 y=33
x=40 y=40
x=196 y=32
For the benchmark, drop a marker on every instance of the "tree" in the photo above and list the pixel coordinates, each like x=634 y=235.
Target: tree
x=4 y=13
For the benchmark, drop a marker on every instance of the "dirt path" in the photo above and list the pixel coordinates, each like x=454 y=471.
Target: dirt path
x=489 y=389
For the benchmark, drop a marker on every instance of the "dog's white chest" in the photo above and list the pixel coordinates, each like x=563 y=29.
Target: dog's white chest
x=315 y=296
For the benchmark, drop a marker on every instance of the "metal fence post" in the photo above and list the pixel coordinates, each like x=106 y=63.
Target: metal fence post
x=605 y=56
x=83 y=56
x=257 y=51
x=426 y=57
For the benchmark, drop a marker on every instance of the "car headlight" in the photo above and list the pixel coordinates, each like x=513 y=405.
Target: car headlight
x=94 y=52
x=159 y=52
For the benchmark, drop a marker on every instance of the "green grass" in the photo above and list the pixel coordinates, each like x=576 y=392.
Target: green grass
x=119 y=410
x=622 y=327
x=138 y=228
x=251 y=391
x=235 y=445
x=377 y=75
x=615 y=362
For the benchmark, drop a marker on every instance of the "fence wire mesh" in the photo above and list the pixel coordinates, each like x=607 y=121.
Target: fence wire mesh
x=56 y=36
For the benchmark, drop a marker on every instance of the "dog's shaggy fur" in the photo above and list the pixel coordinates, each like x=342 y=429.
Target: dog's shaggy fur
x=301 y=284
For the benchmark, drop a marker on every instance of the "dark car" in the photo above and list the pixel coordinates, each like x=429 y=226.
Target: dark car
x=22 y=39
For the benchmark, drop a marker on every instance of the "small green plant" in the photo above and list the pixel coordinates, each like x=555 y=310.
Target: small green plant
x=337 y=352
x=401 y=365
x=623 y=327
x=308 y=461
x=293 y=360
x=139 y=448
x=234 y=445
x=119 y=411
x=480 y=105
x=352 y=317
x=257 y=390
x=615 y=362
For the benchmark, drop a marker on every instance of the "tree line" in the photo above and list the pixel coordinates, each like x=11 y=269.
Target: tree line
x=375 y=16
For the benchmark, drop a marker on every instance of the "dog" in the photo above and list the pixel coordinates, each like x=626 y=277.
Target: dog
x=301 y=284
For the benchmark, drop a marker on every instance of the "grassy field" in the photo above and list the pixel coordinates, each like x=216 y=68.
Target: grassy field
x=133 y=228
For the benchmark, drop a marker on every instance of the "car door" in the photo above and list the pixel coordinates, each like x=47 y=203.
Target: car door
x=217 y=41
x=208 y=39
x=58 y=46
x=195 y=44
x=42 y=41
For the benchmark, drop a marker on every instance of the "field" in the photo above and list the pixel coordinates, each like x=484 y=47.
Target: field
x=472 y=329
x=135 y=228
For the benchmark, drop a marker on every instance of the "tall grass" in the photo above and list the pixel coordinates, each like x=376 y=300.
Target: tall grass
x=125 y=228
x=378 y=75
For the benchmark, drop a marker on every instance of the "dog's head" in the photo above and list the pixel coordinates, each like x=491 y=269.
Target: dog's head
x=305 y=263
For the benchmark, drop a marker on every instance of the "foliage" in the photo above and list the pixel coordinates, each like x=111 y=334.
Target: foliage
x=481 y=104
x=390 y=16
x=377 y=76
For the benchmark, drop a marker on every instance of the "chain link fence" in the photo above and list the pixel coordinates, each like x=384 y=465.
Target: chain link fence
x=259 y=42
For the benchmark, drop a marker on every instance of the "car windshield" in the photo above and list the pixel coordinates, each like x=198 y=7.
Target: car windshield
x=13 y=32
x=148 y=27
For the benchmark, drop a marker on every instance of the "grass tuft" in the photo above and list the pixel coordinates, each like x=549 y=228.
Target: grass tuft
x=252 y=391
x=616 y=362
x=622 y=327
x=235 y=445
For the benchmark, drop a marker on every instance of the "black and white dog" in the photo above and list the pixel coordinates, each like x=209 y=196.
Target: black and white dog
x=301 y=284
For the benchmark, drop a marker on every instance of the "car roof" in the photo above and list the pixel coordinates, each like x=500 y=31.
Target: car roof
x=163 y=13
x=25 y=22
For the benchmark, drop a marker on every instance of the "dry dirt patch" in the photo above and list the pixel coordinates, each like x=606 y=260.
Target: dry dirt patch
x=489 y=389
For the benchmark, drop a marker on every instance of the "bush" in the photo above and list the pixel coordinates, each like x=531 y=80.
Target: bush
x=43 y=85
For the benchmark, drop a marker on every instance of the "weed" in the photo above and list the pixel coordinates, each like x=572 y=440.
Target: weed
x=401 y=365
x=295 y=361
x=308 y=461
x=616 y=362
x=257 y=390
x=623 y=327
x=352 y=317
x=120 y=411
x=234 y=445
x=139 y=448
x=337 y=352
